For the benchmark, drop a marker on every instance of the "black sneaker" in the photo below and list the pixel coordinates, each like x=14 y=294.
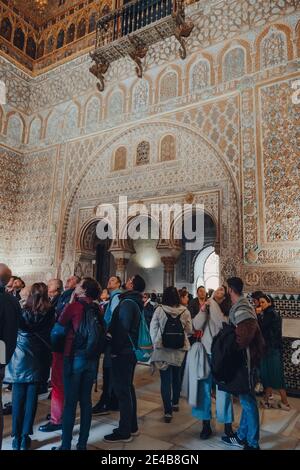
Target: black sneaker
x=78 y=447
x=25 y=443
x=247 y=447
x=50 y=427
x=234 y=440
x=175 y=408
x=7 y=409
x=100 y=410
x=115 y=437
x=206 y=432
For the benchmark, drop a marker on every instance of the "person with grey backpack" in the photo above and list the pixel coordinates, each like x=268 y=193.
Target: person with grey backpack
x=170 y=325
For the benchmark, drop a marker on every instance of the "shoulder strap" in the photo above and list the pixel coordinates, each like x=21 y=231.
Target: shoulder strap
x=133 y=301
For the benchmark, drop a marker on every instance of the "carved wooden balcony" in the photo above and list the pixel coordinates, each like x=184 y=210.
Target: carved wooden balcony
x=130 y=30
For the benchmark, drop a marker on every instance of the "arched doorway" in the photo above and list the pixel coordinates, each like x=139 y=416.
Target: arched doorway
x=93 y=257
x=211 y=182
x=194 y=267
x=206 y=269
x=146 y=259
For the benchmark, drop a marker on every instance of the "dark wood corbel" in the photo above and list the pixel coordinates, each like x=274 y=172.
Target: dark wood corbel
x=139 y=52
x=99 y=69
x=183 y=29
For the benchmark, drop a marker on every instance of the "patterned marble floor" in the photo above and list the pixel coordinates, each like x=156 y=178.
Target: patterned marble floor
x=279 y=429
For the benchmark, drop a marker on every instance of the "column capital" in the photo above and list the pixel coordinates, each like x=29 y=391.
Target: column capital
x=168 y=262
x=121 y=263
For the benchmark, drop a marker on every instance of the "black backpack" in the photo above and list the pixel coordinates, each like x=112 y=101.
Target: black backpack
x=173 y=334
x=226 y=358
x=89 y=339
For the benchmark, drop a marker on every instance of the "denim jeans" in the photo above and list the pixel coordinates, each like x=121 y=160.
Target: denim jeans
x=24 y=405
x=249 y=423
x=79 y=376
x=170 y=385
x=224 y=408
x=123 y=367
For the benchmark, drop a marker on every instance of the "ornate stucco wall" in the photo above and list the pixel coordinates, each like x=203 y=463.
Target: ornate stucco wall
x=229 y=110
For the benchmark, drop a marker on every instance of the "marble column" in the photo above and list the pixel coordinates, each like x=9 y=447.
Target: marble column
x=121 y=259
x=169 y=270
x=121 y=265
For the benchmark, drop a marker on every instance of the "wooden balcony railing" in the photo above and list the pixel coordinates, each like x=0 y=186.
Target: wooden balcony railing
x=131 y=29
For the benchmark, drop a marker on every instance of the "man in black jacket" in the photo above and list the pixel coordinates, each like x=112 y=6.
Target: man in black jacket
x=10 y=312
x=123 y=334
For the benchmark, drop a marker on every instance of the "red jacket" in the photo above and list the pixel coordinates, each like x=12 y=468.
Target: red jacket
x=72 y=314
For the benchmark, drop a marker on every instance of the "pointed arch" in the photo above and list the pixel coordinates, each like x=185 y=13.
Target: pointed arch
x=92 y=111
x=81 y=28
x=141 y=93
x=72 y=117
x=60 y=39
x=120 y=158
x=54 y=125
x=6 y=29
x=143 y=153
x=239 y=59
x=70 y=33
x=282 y=50
x=167 y=148
x=15 y=127
x=35 y=130
x=19 y=38
x=115 y=103
x=92 y=21
x=191 y=66
x=31 y=47
x=172 y=89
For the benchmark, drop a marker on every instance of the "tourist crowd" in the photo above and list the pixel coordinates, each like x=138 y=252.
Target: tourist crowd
x=54 y=336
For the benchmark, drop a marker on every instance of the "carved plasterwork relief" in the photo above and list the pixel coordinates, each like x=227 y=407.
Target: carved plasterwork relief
x=99 y=184
x=278 y=151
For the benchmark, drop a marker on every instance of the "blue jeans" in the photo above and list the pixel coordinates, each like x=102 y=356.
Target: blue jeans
x=249 y=423
x=79 y=376
x=224 y=408
x=170 y=387
x=24 y=405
